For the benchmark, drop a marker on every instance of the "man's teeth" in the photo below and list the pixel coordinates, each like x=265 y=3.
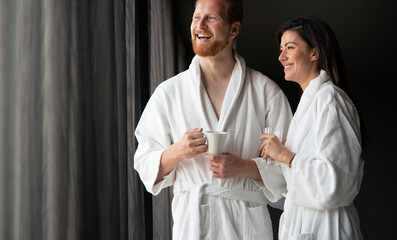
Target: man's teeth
x=203 y=36
x=288 y=66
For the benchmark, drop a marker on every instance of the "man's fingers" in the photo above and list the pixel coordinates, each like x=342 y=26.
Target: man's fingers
x=199 y=141
x=215 y=171
x=213 y=168
x=218 y=175
x=196 y=143
x=214 y=157
x=195 y=130
x=195 y=133
x=217 y=165
x=198 y=149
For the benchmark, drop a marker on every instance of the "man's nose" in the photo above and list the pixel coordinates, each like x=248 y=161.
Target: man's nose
x=202 y=23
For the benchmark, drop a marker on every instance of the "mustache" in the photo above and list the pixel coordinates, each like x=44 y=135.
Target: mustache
x=203 y=32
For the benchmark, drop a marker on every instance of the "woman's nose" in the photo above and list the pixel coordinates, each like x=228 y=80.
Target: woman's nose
x=282 y=56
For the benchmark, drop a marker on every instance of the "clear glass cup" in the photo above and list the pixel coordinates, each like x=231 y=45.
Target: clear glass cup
x=279 y=134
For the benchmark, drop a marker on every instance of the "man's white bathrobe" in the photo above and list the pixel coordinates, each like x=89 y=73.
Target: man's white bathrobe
x=327 y=170
x=204 y=207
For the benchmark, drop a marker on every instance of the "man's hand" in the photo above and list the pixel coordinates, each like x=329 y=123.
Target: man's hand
x=191 y=144
x=231 y=166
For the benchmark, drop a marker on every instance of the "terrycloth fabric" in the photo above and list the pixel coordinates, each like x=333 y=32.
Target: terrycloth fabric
x=327 y=170
x=252 y=101
x=196 y=193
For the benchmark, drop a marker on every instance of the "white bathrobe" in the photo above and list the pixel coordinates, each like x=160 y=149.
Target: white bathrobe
x=327 y=170
x=203 y=207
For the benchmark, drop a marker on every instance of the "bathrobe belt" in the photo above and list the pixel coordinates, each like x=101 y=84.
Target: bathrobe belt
x=197 y=191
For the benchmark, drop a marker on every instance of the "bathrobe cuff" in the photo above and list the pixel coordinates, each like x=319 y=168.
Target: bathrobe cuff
x=167 y=181
x=273 y=182
x=149 y=175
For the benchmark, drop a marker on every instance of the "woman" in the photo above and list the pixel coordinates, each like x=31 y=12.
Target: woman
x=322 y=164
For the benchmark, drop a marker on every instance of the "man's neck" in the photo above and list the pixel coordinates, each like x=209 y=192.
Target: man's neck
x=218 y=67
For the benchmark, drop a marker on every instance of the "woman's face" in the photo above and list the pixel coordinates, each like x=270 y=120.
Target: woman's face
x=299 y=61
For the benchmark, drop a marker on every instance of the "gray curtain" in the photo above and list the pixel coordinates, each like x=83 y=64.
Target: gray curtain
x=139 y=201
x=154 y=58
x=63 y=120
x=74 y=79
x=162 y=66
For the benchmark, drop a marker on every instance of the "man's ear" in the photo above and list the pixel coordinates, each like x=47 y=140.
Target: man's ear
x=236 y=26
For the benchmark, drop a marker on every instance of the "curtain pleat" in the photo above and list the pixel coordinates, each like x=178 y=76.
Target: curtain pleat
x=104 y=117
x=75 y=77
x=162 y=42
x=7 y=119
x=26 y=156
x=162 y=66
x=63 y=127
x=6 y=92
x=139 y=201
x=122 y=121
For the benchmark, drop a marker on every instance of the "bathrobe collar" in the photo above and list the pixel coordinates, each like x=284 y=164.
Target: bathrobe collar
x=233 y=91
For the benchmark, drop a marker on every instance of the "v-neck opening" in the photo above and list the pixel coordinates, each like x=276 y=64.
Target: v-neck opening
x=209 y=109
x=233 y=90
x=227 y=101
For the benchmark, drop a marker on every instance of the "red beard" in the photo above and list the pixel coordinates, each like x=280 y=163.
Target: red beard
x=210 y=49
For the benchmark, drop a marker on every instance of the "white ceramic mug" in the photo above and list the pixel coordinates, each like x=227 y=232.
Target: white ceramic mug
x=215 y=141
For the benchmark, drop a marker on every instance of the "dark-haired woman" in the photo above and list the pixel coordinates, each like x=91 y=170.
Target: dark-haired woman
x=322 y=154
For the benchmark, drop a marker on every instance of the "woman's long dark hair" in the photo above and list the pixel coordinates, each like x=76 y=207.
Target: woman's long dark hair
x=319 y=35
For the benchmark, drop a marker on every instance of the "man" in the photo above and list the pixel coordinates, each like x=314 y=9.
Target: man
x=215 y=196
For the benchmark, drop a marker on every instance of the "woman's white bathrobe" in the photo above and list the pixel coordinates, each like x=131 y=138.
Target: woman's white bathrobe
x=202 y=207
x=327 y=170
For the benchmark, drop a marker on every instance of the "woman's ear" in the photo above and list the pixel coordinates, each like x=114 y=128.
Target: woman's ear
x=314 y=54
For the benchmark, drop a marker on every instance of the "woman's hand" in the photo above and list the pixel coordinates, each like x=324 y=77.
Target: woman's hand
x=273 y=148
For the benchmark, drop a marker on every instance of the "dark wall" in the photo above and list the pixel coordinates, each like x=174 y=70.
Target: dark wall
x=365 y=30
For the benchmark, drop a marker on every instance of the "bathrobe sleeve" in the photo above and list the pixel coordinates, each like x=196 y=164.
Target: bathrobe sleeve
x=330 y=177
x=279 y=113
x=279 y=116
x=154 y=136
